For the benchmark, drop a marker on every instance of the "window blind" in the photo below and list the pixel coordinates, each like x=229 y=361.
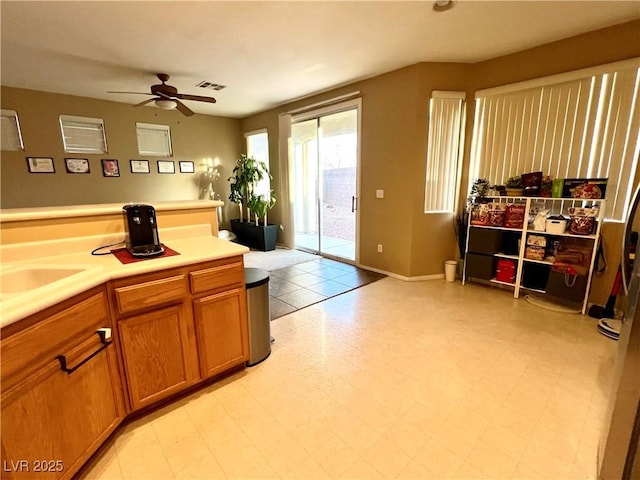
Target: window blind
x=444 y=151
x=587 y=127
x=83 y=134
x=11 y=137
x=154 y=140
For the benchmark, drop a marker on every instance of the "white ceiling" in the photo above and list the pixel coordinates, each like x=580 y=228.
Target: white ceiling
x=266 y=53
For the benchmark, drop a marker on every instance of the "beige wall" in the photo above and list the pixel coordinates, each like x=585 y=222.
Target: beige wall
x=393 y=145
x=195 y=138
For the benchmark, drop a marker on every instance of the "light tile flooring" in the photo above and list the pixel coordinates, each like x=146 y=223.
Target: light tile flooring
x=392 y=380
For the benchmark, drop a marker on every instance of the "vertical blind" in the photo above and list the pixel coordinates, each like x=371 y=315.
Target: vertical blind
x=154 y=139
x=444 y=151
x=10 y=136
x=587 y=127
x=83 y=134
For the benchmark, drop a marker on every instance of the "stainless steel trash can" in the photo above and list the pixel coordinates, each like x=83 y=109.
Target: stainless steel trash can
x=258 y=313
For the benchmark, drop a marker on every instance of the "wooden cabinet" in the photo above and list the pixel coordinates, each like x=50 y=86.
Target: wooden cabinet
x=222 y=331
x=157 y=339
x=158 y=354
x=180 y=326
x=52 y=419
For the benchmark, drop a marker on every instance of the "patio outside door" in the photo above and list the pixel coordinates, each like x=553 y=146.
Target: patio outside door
x=324 y=173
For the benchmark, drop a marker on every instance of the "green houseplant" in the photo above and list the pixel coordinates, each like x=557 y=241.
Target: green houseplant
x=514 y=185
x=246 y=174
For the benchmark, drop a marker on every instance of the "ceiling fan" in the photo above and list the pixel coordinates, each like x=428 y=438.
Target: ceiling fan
x=167 y=97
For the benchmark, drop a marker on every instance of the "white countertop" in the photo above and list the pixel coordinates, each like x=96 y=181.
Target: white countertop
x=194 y=244
x=71 y=211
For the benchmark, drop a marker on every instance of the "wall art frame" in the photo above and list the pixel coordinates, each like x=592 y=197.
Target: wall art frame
x=139 y=166
x=41 y=165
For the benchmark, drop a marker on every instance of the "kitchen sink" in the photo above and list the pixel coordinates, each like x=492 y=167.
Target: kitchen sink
x=20 y=279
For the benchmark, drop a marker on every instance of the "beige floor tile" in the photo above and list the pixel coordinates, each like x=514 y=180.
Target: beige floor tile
x=386 y=457
x=438 y=459
x=104 y=465
x=360 y=386
x=407 y=437
x=415 y=471
x=491 y=461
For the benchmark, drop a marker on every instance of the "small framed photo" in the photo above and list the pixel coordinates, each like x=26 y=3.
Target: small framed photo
x=166 y=166
x=110 y=167
x=77 y=165
x=139 y=166
x=41 y=165
x=186 y=167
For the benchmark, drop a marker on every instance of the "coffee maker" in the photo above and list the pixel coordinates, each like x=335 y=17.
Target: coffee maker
x=141 y=230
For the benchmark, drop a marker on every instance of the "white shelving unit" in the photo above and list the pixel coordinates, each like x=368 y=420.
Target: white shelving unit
x=556 y=206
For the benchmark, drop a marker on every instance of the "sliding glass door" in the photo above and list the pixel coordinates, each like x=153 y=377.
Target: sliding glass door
x=324 y=182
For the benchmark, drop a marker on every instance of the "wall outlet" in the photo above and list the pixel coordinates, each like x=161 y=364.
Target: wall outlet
x=379 y=193
x=379 y=248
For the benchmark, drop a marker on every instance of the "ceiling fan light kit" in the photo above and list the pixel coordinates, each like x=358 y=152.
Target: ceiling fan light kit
x=166 y=104
x=442 y=5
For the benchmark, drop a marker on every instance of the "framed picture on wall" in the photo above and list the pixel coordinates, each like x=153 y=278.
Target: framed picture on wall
x=139 y=166
x=166 y=166
x=41 y=165
x=187 y=167
x=77 y=165
x=110 y=167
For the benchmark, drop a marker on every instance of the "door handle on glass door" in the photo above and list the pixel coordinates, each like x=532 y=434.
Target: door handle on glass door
x=354 y=204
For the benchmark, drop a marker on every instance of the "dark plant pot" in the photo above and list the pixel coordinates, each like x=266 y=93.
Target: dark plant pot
x=255 y=236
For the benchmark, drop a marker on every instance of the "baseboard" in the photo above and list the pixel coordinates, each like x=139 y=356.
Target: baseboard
x=402 y=277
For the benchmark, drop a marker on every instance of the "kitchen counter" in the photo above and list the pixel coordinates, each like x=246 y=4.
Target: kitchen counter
x=193 y=243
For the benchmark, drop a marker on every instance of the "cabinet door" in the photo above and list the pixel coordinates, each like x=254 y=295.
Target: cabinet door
x=52 y=421
x=159 y=354
x=221 y=326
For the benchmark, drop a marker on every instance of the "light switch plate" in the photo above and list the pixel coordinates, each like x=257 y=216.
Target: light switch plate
x=379 y=193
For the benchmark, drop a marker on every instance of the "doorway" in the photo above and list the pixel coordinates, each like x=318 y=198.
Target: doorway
x=324 y=172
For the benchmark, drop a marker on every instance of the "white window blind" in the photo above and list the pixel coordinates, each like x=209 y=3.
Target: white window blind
x=585 y=127
x=444 y=151
x=258 y=148
x=11 y=137
x=83 y=134
x=154 y=140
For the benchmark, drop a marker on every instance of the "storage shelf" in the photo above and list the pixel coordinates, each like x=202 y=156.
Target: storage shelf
x=535 y=232
x=504 y=255
x=493 y=280
x=542 y=262
x=492 y=227
x=537 y=290
x=484 y=243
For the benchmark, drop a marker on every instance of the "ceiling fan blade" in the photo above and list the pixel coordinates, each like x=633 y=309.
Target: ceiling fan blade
x=145 y=102
x=196 y=98
x=137 y=93
x=183 y=109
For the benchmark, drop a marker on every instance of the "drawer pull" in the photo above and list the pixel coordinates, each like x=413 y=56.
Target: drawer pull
x=105 y=339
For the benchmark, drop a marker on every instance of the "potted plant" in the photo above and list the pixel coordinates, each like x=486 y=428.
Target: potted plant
x=514 y=186
x=246 y=175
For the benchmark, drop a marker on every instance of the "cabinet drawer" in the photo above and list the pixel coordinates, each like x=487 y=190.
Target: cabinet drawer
x=143 y=295
x=29 y=349
x=218 y=277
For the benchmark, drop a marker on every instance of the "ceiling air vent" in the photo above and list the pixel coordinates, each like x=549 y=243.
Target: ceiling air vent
x=210 y=85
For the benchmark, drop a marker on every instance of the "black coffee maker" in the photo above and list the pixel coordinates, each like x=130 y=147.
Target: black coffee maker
x=141 y=230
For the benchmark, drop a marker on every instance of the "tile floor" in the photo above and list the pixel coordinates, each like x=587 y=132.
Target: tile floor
x=304 y=284
x=392 y=380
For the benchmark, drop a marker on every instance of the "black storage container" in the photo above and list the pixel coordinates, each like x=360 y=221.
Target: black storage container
x=480 y=266
x=570 y=288
x=535 y=276
x=485 y=240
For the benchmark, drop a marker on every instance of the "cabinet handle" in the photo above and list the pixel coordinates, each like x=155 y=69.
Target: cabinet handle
x=105 y=339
